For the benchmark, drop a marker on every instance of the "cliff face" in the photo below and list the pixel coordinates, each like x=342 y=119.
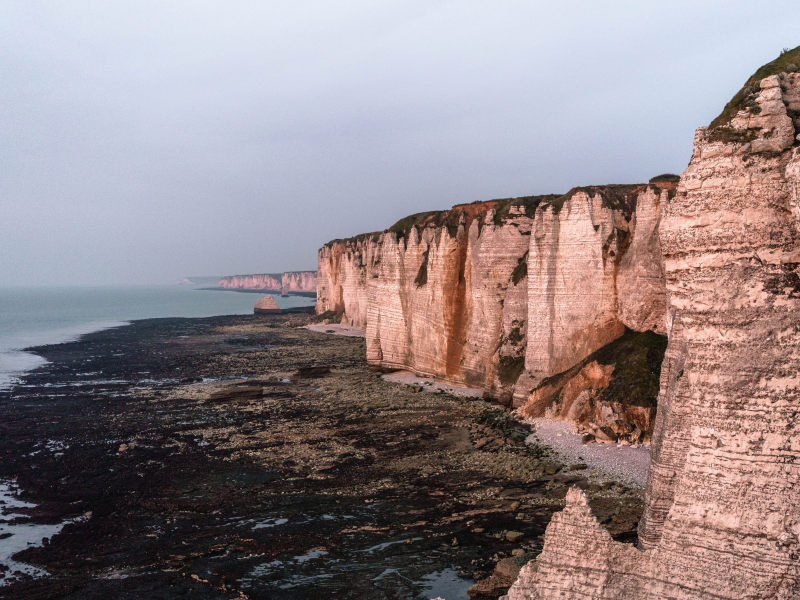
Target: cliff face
x=505 y=294
x=436 y=304
x=259 y=281
x=722 y=509
x=288 y=282
x=344 y=268
x=302 y=282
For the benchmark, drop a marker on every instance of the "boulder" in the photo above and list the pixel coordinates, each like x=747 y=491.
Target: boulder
x=267 y=305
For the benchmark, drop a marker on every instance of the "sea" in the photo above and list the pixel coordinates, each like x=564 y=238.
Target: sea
x=37 y=316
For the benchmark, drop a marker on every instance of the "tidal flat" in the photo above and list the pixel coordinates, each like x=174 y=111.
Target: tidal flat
x=248 y=457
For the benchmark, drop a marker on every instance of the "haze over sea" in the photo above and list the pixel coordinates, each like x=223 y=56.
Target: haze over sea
x=49 y=315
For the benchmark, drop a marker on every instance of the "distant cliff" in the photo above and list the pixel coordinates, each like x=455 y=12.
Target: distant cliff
x=260 y=281
x=299 y=282
x=512 y=295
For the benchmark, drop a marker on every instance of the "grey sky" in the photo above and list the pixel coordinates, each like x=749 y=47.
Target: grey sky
x=144 y=141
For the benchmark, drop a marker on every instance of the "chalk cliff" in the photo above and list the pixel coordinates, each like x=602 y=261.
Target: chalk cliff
x=303 y=282
x=257 y=281
x=722 y=508
x=344 y=266
x=298 y=282
x=506 y=294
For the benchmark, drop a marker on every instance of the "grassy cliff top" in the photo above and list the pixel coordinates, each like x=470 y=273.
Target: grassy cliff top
x=615 y=196
x=786 y=61
x=450 y=218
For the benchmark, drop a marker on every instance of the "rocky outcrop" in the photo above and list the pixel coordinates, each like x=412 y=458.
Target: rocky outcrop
x=270 y=282
x=298 y=282
x=611 y=394
x=505 y=294
x=722 y=508
x=266 y=305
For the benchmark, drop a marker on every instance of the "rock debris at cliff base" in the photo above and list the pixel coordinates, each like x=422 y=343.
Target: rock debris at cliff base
x=236 y=457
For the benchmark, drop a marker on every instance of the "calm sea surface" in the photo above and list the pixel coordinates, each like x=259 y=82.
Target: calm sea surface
x=36 y=316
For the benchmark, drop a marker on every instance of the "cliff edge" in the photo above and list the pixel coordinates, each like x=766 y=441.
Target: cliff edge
x=512 y=295
x=722 y=507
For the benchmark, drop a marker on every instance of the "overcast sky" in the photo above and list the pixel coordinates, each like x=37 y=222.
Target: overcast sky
x=145 y=141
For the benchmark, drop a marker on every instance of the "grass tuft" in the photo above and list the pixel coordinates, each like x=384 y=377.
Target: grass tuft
x=744 y=98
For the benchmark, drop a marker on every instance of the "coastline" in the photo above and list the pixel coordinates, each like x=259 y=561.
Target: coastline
x=256 y=291
x=248 y=454
x=616 y=461
x=34 y=317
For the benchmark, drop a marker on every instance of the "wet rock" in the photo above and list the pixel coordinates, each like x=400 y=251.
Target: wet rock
x=514 y=536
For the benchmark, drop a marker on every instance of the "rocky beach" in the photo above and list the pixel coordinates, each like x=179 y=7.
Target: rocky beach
x=249 y=457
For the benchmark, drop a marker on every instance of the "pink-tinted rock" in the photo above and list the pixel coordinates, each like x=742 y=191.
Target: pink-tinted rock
x=266 y=305
x=722 y=507
x=502 y=294
x=257 y=281
x=304 y=282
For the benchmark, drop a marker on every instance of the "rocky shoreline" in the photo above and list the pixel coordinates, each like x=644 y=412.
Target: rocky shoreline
x=247 y=457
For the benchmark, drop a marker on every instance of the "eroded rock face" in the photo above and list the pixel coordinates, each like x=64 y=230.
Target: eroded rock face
x=286 y=283
x=591 y=273
x=257 y=281
x=344 y=267
x=504 y=294
x=722 y=511
x=436 y=299
x=304 y=282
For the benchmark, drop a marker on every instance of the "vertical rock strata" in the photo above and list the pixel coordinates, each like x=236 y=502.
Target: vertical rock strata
x=722 y=509
x=289 y=282
x=344 y=266
x=502 y=295
x=257 y=281
x=304 y=282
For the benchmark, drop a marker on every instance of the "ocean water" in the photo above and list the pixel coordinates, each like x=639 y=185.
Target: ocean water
x=50 y=315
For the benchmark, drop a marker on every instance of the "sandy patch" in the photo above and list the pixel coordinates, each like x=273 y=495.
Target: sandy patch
x=625 y=463
x=432 y=385
x=337 y=329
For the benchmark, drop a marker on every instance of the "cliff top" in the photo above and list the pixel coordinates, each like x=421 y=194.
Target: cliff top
x=788 y=61
x=450 y=218
x=616 y=196
x=275 y=275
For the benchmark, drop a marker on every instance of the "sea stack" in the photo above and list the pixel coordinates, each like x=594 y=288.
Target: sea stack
x=266 y=305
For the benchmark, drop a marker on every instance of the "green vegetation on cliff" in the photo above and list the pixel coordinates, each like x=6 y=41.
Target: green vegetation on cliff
x=789 y=60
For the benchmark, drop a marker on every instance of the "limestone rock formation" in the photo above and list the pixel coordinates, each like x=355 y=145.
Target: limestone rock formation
x=266 y=305
x=722 y=508
x=257 y=281
x=288 y=282
x=504 y=294
x=298 y=282
x=610 y=394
